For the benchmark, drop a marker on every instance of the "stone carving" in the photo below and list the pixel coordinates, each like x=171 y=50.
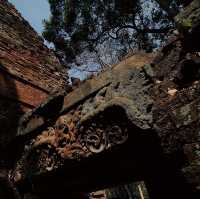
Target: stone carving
x=134 y=121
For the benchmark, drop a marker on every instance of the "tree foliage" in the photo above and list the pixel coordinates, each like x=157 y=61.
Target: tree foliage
x=93 y=25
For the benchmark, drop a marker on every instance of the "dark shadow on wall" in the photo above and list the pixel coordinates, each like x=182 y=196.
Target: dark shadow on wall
x=10 y=112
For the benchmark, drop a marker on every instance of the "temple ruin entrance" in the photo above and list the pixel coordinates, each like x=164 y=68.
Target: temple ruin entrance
x=138 y=157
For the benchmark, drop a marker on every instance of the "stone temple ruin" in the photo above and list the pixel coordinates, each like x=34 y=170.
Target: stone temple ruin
x=136 y=122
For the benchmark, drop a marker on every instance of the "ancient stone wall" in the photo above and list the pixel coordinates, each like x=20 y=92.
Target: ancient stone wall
x=29 y=71
x=136 y=121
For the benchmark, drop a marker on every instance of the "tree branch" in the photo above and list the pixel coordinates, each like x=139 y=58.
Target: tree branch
x=144 y=30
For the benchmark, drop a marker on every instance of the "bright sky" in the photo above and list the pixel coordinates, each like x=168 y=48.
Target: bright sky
x=34 y=11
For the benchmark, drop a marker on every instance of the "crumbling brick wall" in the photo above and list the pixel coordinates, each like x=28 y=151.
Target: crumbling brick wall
x=29 y=71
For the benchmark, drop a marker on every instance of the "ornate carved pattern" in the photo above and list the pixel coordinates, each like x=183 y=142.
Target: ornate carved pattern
x=103 y=132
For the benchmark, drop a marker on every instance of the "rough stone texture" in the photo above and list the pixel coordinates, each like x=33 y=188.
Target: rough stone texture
x=121 y=83
x=150 y=109
x=136 y=121
x=146 y=114
x=29 y=71
x=176 y=114
x=86 y=126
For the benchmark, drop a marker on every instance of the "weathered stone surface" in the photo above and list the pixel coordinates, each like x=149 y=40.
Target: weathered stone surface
x=176 y=114
x=112 y=111
x=29 y=71
x=136 y=121
x=86 y=125
x=109 y=88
